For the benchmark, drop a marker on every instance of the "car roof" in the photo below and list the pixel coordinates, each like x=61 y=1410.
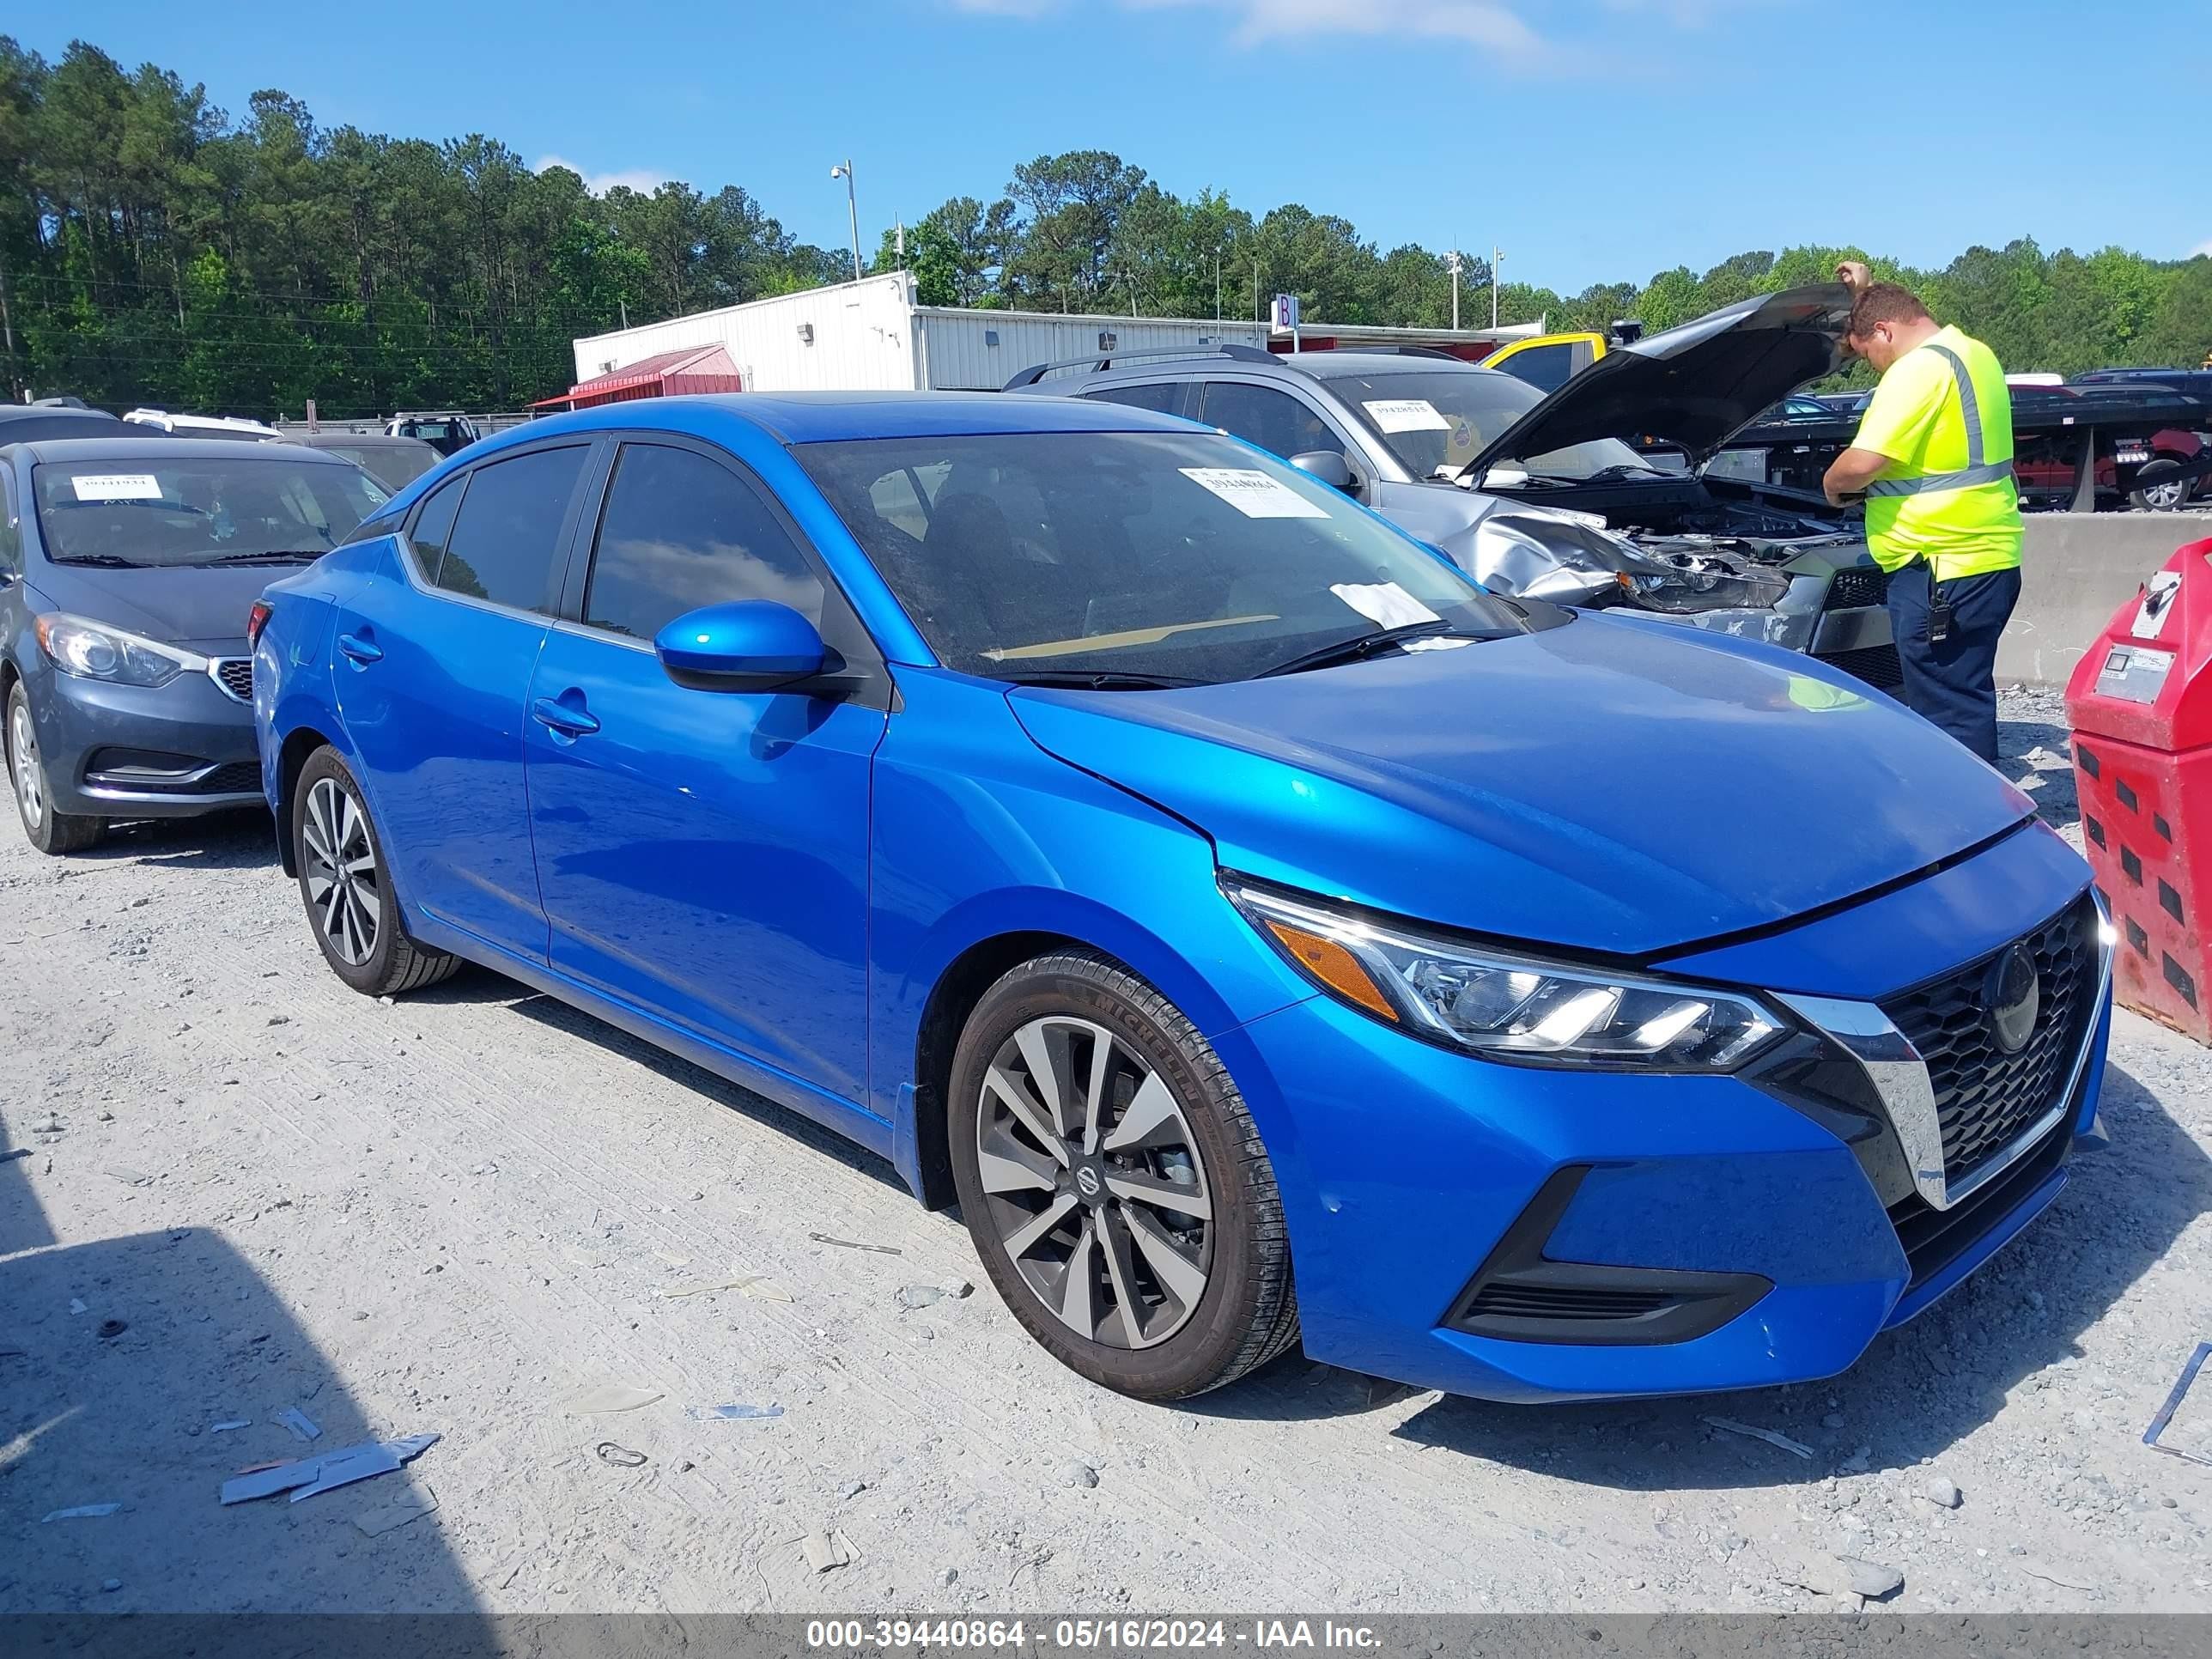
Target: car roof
x=357 y=439
x=157 y=447
x=808 y=417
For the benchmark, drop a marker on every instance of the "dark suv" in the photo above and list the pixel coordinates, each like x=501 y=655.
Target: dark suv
x=1544 y=495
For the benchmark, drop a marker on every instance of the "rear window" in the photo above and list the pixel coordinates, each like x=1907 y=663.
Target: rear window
x=234 y=507
x=393 y=466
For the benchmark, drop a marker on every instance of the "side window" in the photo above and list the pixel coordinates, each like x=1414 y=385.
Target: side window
x=507 y=535
x=680 y=532
x=11 y=528
x=434 y=526
x=1544 y=365
x=1165 y=396
x=1274 y=420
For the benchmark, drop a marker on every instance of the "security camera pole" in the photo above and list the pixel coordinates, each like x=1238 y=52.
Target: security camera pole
x=845 y=171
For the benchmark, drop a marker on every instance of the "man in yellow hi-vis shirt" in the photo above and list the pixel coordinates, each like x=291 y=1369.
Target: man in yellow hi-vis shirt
x=1934 y=457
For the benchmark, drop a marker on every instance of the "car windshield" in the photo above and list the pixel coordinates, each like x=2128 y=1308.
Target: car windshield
x=230 y=507
x=1134 y=558
x=1436 y=420
x=393 y=466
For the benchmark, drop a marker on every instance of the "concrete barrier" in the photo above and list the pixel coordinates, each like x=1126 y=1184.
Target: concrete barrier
x=2074 y=571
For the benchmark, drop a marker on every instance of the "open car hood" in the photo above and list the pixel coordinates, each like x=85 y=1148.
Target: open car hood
x=1697 y=385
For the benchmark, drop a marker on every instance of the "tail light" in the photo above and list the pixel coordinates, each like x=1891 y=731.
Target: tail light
x=255 y=620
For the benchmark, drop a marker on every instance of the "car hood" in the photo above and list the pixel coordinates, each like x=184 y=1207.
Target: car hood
x=200 y=608
x=1696 y=386
x=1614 y=786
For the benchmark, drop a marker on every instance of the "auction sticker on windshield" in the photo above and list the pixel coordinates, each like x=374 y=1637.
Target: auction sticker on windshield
x=1252 y=493
x=117 y=487
x=1406 y=415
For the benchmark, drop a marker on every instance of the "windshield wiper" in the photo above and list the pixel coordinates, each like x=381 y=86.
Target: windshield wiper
x=1362 y=646
x=268 y=556
x=1099 y=679
x=104 y=561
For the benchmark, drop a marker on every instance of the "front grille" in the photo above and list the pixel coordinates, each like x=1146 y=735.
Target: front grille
x=235 y=676
x=1933 y=1239
x=1857 y=587
x=1876 y=664
x=1504 y=1299
x=1985 y=1098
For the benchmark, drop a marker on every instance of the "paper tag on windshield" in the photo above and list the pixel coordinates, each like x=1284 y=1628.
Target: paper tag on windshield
x=1252 y=493
x=117 y=487
x=1406 y=415
x=1384 y=603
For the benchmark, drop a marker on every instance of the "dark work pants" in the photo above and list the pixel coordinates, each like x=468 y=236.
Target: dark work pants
x=1952 y=681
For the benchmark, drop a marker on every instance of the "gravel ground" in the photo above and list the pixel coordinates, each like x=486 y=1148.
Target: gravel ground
x=250 y=1192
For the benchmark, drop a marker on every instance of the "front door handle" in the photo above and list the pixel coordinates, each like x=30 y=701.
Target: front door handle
x=361 y=648
x=564 y=718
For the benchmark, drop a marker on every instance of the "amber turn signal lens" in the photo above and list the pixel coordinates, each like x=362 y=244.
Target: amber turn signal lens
x=1333 y=966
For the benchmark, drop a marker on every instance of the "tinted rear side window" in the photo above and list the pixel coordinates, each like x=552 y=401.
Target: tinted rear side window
x=508 y=534
x=434 y=526
x=1275 y=421
x=681 y=532
x=1165 y=396
x=1545 y=366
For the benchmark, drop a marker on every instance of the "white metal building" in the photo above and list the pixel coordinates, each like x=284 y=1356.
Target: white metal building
x=871 y=336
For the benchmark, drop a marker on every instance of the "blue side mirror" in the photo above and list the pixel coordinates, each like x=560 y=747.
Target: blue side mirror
x=752 y=644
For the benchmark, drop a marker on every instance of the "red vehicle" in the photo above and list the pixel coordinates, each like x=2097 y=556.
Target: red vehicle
x=2131 y=461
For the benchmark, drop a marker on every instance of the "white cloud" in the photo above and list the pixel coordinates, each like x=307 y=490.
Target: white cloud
x=1503 y=28
x=1475 y=22
x=2203 y=247
x=644 y=181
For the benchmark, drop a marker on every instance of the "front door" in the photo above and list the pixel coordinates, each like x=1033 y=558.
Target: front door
x=432 y=674
x=704 y=854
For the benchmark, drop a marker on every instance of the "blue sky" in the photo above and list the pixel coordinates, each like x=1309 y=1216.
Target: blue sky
x=1591 y=139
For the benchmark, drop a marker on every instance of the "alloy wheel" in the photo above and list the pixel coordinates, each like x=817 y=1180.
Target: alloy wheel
x=1096 y=1186
x=23 y=759
x=344 y=887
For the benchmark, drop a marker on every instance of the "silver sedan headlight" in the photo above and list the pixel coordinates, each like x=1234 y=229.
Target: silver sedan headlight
x=95 y=651
x=1505 y=1006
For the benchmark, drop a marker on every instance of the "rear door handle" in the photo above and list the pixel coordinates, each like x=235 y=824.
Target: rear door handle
x=361 y=647
x=570 y=723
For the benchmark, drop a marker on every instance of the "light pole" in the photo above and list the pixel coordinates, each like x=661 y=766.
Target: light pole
x=853 y=208
x=1454 y=276
x=1497 y=258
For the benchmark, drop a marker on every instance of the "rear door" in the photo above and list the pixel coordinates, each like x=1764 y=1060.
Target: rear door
x=704 y=854
x=432 y=671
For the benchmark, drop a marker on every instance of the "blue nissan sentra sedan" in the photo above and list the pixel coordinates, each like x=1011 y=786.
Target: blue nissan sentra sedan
x=1265 y=936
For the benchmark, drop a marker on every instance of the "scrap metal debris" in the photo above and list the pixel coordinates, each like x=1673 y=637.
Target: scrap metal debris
x=13 y=1153
x=226 y=1427
x=730 y=1414
x=306 y=1476
x=1729 y=1425
x=855 y=1244
x=81 y=1512
x=303 y=1426
x=621 y=1456
x=2159 y=1423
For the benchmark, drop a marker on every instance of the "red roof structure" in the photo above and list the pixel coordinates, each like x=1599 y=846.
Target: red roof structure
x=667 y=373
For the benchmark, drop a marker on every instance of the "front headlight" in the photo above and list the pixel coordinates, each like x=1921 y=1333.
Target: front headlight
x=1506 y=1006
x=1686 y=591
x=93 y=651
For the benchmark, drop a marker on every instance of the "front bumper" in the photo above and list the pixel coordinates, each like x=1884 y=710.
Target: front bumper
x=129 y=751
x=1764 y=1219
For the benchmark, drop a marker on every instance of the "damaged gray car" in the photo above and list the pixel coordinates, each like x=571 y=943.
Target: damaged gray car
x=1599 y=493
